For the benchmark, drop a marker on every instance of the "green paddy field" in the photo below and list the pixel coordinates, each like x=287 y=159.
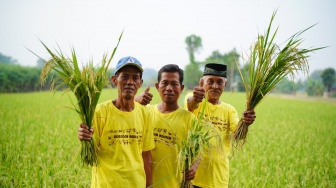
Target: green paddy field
x=291 y=144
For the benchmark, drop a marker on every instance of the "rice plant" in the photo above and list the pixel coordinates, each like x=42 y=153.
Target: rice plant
x=268 y=65
x=86 y=83
x=196 y=143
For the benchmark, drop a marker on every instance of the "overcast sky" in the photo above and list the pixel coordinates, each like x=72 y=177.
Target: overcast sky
x=155 y=30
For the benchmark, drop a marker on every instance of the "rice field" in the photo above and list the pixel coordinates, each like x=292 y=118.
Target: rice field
x=291 y=144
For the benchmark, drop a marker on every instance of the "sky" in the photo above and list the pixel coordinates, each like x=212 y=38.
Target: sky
x=155 y=31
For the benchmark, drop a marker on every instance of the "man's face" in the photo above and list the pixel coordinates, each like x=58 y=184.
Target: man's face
x=214 y=86
x=169 y=87
x=128 y=81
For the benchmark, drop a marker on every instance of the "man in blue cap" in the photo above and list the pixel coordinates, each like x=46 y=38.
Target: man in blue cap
x=122 y=134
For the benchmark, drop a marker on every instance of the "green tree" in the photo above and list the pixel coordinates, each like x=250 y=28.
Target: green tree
x=192 y=75
x=192 y=71
x=316 y=75
x=4 y=81
x=286 y=86
x=15 y=78
x=314 y=88
x=328 y=78
x=7 y=60
x=243 y=68
x=300 y=85
x=215 y=57
x=194 y=45
x=229 y=59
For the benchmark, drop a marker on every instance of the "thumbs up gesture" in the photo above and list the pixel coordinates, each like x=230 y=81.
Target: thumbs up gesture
x=199 y=92
x=145 y=97
x=197 y=97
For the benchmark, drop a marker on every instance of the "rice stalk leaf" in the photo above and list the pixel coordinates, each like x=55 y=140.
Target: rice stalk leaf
x=196 y=143
x=268 y=65
x=86 y=85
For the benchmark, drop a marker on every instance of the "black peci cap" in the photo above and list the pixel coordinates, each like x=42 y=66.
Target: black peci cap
x=215 y=69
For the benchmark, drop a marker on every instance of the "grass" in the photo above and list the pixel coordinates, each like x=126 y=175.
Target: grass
x=291 y=144
x=40 y=142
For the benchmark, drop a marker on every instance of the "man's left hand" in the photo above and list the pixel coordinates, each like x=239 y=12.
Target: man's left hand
x=249 y=116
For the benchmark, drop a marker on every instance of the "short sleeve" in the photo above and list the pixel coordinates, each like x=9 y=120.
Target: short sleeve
x=148 y=137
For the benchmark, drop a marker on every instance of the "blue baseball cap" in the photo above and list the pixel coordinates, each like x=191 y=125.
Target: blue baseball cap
x=128 y=61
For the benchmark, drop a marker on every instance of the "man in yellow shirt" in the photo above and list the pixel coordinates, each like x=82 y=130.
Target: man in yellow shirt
x=122 y=133
x=214 y=170
x=170 y=125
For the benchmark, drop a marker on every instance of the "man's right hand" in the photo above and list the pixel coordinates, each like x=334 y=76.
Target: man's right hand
x=145 y=97
x=198 y=96
x=199 y=92
x=191 y=172
x=84 y=133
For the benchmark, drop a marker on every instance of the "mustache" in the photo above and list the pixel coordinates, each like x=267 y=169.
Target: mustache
x=215 y=90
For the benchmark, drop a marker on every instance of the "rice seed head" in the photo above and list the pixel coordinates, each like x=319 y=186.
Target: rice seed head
x=200 y=139
x=86 y=84
x=269 y=63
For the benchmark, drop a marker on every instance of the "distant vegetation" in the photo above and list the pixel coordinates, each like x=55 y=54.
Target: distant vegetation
x=15 y=78
x=7 y=60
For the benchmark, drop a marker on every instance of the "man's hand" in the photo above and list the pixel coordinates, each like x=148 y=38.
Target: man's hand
x=145 y=97
x=198 y=96
x=199 y=92
x=249 y=116
x=190 y=174
x=84 y=133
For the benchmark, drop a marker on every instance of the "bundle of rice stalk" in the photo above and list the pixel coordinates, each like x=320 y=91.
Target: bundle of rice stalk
x=86 y=84
x=268 y=65
x=196 y=143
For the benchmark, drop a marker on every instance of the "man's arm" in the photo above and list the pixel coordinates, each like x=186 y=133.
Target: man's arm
x=147 y=158
x=192 y=104
x=198 y=96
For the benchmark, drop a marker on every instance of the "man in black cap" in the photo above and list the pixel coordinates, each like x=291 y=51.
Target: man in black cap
x=214 y=170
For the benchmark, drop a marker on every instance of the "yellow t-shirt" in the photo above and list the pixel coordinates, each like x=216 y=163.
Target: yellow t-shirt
x=121 y=138
x=168 y=129
x=214 y=170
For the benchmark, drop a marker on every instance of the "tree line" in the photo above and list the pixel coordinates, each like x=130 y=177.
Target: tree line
x=16 y=78
x=320 y=81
